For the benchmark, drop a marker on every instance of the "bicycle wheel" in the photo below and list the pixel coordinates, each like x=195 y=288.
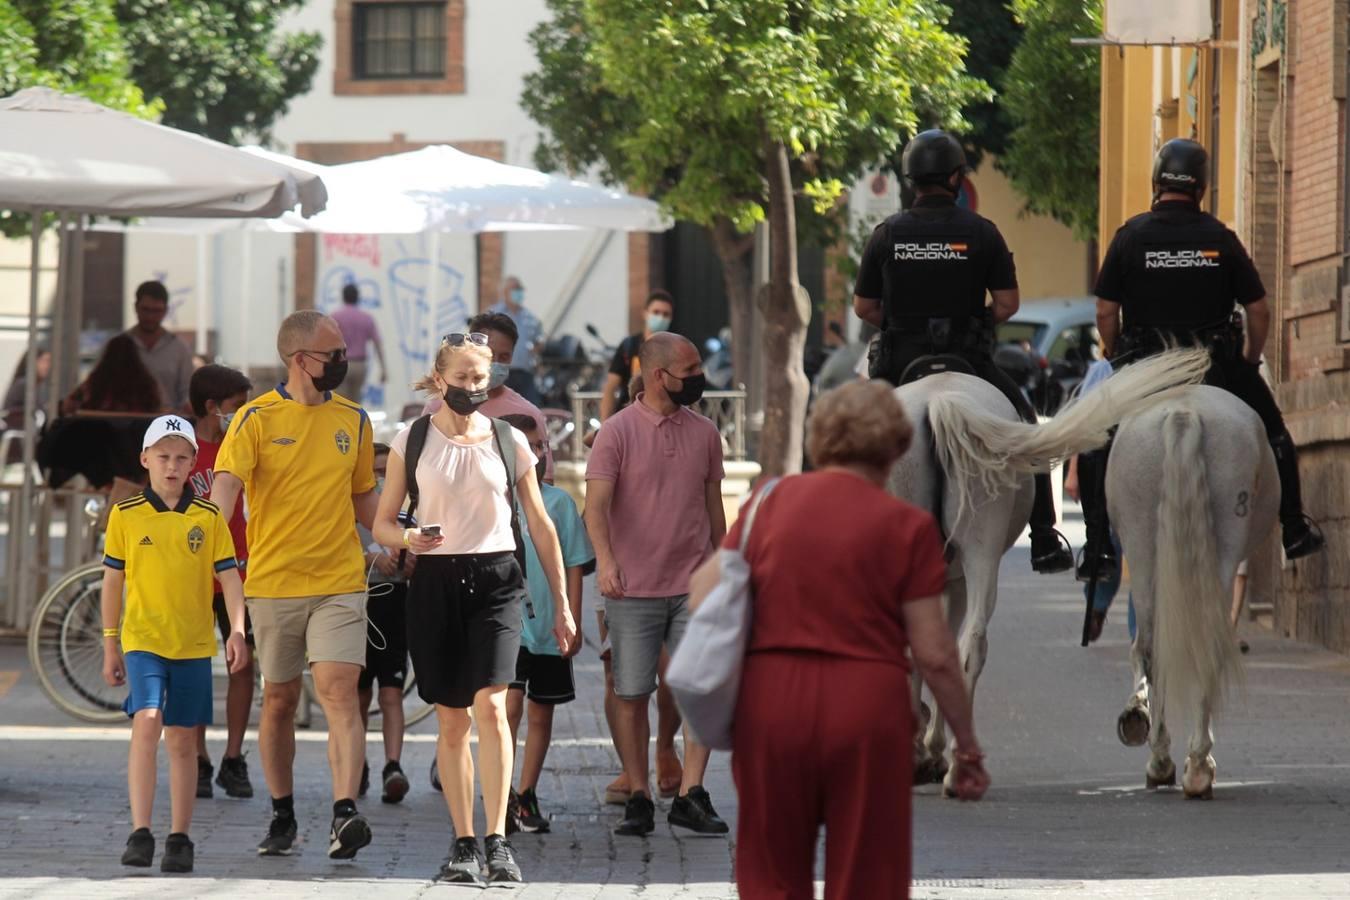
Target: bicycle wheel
x=65 y=648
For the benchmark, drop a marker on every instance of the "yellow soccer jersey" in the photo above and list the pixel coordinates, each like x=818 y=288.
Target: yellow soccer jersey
x=169 y=556
x=300 y=466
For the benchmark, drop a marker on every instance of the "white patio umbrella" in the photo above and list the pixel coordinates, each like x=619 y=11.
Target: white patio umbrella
x=62 y=153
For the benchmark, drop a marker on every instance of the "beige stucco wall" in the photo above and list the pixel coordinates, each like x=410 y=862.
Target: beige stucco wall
x=1050 y=262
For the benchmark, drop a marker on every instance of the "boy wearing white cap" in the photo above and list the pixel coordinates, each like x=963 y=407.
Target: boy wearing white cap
x=163 y=546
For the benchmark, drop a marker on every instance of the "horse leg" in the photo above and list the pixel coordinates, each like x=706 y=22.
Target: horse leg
x=1133 y=725
x=981 y=587
x=1161 y=771
x=923 y=715
x=935 y=766
x=1197 y=783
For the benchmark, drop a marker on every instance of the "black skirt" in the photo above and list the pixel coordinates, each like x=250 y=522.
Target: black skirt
x=464 y=625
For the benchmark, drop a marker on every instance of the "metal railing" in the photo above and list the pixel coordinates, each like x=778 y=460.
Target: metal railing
x=726 y=409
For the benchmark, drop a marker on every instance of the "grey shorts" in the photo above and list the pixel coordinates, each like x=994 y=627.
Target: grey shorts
x=291 y=631
x=638 y=627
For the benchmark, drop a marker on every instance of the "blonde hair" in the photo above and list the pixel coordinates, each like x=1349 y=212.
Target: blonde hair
x=427 y=383
x=859 y=423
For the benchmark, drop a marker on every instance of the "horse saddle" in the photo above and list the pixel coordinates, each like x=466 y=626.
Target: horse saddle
x=936 y=365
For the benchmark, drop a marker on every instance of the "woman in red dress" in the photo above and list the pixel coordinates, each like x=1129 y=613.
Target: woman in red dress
x=845 y=578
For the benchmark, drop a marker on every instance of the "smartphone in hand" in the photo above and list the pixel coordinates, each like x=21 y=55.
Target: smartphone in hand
x=431 y=531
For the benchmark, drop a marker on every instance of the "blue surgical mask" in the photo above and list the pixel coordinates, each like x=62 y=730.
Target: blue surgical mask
x=498 y=376
x=657 y=324
x=225 y=420
x=517 y=295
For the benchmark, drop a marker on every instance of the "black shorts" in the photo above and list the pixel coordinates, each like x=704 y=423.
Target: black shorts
x=464 y=625
x=544 y=679
x=223 y=620
x=386 y=638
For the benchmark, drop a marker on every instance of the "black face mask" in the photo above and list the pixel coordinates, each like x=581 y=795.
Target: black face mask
x=333 y=375
x=462 y=402
x=691 y=389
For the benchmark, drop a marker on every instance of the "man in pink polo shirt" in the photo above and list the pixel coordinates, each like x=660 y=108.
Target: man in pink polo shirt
x=654 y=514
x=360 y=332
x=502 y=401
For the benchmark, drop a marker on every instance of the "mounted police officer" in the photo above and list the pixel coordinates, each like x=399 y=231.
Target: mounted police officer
x=1174 y=274
x=936 y=279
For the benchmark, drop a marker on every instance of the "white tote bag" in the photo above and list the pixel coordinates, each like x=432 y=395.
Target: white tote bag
x=705 y=672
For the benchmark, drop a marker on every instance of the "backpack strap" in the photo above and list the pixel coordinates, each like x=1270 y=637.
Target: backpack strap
x=417 y=439
x=501 y=436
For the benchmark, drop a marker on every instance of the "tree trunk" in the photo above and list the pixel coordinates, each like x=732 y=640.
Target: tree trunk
x=734 y=252
x=787 y=312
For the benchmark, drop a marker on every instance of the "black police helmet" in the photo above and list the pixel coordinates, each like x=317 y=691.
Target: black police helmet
x=1181 y=166
x=932 y=157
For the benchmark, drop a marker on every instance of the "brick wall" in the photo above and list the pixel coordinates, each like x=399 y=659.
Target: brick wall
x=1314 y=132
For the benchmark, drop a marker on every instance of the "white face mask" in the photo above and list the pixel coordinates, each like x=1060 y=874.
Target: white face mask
x=657 y=324
x=498 y=375
x=225 y=420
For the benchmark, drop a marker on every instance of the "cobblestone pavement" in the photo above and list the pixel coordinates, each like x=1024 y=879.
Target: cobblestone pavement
x=1067 y=814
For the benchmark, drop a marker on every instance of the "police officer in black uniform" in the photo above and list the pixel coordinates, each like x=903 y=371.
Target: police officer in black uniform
x=923 y=281
x=1174 y=273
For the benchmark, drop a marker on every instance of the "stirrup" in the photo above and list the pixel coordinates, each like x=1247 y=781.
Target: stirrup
x=1099 y=565
x=1058 y=560
x=1308 y=543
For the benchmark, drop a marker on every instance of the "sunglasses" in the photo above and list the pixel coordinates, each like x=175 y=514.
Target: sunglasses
x=337 y=355
x=457 y=339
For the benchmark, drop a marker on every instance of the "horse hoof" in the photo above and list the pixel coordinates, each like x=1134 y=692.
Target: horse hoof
x=1168 y=780
x=1132 y=727
x=1206 y=794
x=949 y=792
x=930 y=771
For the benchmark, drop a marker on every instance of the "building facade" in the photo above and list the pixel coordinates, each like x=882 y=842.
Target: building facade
x=1267 y=96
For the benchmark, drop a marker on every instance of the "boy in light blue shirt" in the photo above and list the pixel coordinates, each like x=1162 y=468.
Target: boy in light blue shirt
x=543 y=673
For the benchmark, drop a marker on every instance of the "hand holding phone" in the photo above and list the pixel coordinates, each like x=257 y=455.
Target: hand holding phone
x=431 y=531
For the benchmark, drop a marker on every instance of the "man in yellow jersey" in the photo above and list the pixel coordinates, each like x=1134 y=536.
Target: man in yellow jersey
x=306 y=458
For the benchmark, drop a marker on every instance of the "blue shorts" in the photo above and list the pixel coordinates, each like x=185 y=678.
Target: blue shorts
x=179 y=688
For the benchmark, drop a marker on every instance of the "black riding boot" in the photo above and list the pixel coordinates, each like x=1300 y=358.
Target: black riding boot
x=1301 y=536
x=1099 y=554
x=1050 y=552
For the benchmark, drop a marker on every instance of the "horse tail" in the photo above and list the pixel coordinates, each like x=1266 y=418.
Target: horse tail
x=1193 y=647
x=997 y=453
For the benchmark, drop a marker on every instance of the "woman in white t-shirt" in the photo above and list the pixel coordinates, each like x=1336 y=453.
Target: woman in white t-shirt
x=467 y=590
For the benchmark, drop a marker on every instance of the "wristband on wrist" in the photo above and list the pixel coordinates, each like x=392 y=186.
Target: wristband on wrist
x=111 y=632
x=407 y=537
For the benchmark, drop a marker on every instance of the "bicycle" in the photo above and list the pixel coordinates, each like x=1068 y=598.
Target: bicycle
x=65 y=650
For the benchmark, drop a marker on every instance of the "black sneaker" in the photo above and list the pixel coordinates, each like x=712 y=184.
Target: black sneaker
x=280 y=840
x=466 y=863
x=1302 y=537
x=501 y=861
x=527 y=813
x=204 y=772
x=639 y=816
x=140 y=850
x=365 y=780
x=395 y=783
x=348 y=834
x=233 y=778
x=435 y=776
x=512 y=805
x=177 y=853
x=695 y=812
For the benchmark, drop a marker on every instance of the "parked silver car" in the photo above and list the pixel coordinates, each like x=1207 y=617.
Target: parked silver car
x=1057 y=340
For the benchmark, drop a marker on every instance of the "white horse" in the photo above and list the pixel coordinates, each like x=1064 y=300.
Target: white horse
x=971 y=465
x=1192 y=490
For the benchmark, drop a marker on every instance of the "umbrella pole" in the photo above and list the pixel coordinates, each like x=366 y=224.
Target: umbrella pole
x=17 y=549
x=201 y=295
x=245 y=298
x=433 y=284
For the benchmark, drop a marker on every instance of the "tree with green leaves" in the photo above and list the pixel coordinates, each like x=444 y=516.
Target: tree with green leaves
x=731 y=113
x=73 y=46
x=219 y=66
x=1052 y=91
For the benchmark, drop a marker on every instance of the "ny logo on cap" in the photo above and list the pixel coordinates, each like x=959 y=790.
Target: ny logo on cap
x=171 y=424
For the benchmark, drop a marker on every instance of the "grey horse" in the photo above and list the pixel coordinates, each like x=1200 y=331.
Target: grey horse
x=1192 y=490
x=971 y=465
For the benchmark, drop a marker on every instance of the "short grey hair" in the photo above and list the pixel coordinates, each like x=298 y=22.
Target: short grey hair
x=297 y=329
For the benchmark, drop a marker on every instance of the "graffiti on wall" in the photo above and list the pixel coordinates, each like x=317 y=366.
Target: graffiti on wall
x=412 y=304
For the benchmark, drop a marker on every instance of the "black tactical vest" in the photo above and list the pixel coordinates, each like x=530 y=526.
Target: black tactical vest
x=935 y=267
x=1180 y=272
